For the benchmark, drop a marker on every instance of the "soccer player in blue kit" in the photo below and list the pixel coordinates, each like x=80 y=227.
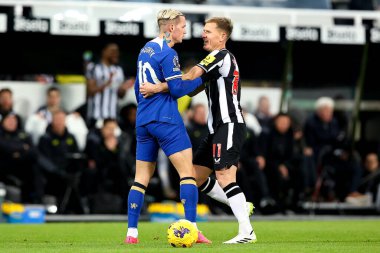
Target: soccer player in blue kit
x=220 y=150
x=159 y=123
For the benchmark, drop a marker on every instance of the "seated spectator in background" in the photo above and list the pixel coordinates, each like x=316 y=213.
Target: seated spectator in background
x=6 y=105
x=105 y=84
x=251 y=169
x=321 y=130
x=334 y=160
x=263 y=114
x=107 y=172
x=53 y=104
x=18 y=159
x=277 y=147
x=36 y=124
x=370 y=181
x=57 y=148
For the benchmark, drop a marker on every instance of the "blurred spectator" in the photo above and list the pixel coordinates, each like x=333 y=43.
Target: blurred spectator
x=321 y=130
x=58 y=149
x=263 y=114
x=18 y=159
x=36 y=123
x=127 y=125
x=276 y=147
x=197 y=127
x=370 y=182
x=53 y=104
x=334 y=160
x=127 y=122
x=105 y=84
x=251 y=168
x=6 y=105
x=106 y=176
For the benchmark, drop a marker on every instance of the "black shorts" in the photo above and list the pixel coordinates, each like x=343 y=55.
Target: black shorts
x=221 y=149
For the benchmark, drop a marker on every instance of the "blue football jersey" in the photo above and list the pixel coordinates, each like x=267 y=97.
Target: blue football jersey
x=157 y=63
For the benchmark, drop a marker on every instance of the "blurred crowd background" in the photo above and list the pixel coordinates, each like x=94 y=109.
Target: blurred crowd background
x=82 y=160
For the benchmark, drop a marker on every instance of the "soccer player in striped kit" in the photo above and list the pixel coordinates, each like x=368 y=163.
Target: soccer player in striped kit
x=220 y=151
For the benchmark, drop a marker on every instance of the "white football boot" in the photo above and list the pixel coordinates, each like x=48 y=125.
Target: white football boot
x=241 y=238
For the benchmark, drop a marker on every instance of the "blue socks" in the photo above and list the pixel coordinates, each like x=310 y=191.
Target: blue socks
x=189 y=197
x=135 y=202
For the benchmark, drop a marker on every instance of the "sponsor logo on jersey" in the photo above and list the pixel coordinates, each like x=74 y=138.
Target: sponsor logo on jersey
x=209 y=59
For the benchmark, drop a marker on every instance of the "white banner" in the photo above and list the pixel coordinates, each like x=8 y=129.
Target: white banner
x=89 y=27
x=3 y=23
x=301 y=34
x=121 y=28
x=256 y=32
x=343 y=35
x=30 y=25
x=375 y=35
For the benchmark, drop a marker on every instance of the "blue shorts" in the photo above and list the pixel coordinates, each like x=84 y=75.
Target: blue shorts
x=171 y=138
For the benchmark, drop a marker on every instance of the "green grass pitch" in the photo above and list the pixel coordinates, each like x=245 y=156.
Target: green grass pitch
x=273 y=236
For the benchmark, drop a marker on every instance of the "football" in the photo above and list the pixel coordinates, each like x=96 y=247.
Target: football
x=182 y=234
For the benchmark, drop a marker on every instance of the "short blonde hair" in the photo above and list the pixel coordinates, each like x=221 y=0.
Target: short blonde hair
x=166 y=15
x=222 y=23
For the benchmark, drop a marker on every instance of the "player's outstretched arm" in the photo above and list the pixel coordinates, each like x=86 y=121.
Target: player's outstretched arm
x=177 y=87
x=148 y=89
x=193 y=73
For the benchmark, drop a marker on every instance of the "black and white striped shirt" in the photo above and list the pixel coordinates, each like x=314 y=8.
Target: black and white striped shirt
x=223 y=92
x=104 y=104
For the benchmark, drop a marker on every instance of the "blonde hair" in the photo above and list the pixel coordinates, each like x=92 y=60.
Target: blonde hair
x=166 y=15
x=222 y=23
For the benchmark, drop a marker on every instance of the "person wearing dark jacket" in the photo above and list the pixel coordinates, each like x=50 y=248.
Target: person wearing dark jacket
x=334 y=160
x=252 y=169
x=57 y=149
x=17 y=160
x=6 y=106
x=107 y=170
x=276 y=147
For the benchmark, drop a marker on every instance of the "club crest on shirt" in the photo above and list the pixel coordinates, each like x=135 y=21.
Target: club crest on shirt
x=209 y=59
x=177 y=67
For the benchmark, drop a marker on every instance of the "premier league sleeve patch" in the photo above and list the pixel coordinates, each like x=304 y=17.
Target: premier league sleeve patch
x=176 y=65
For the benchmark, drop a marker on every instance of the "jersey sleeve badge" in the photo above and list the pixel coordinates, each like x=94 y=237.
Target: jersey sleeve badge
x=209 y=59
x=177 y=67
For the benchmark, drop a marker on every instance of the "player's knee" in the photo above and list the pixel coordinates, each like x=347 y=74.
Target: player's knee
x=225 y=178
